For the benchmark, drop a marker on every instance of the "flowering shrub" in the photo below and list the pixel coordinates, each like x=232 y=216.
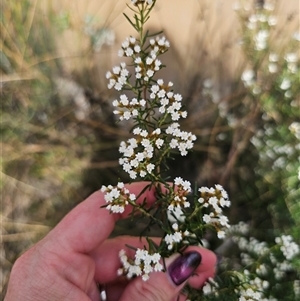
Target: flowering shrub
x=272 y=81
x=155 y=110
x=184 y=214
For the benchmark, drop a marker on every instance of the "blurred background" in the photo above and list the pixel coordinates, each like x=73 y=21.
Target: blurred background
x=236 y=63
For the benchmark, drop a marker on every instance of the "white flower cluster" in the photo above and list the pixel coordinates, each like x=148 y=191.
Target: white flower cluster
x=159 y=45
x=176 y=237
x=285 y=83
x=255 y=288
x=262 y=270
x=99 y=38
x=179 y=201
x=273 y=60
x=250 y=295
x=281 y=268
x=280 y=157
x=169 y=102
x=296 y=286
x=182 y=140
x=295 y=129
x=256 y=19
x=210 y=287
x=118 y=77
x=287 y=246
x=241 y=228
x=147 y=71
x=254 y=249
x=176 y=211
x=144 y=69
x=117 y=197
x=251 y=245
x=215 y=199
x=152 y=64
x=137 y=153
x=261 y=39
x=249 y=79
x=130 y=47
x=143 y=264
x=128 y=109
x=260 y=24
x=246 y=259
x=291 y=60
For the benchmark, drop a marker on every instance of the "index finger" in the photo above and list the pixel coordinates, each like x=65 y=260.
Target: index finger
x=88 y=225
x=107 y=259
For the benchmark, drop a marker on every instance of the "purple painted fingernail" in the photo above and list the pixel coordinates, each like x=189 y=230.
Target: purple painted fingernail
x=184 y=266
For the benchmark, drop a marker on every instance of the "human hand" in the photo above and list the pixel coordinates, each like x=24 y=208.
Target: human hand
x=68 y=263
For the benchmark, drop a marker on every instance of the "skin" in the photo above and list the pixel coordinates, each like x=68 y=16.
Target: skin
x=68 y=262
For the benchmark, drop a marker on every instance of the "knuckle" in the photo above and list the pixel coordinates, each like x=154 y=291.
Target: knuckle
x=149 y=292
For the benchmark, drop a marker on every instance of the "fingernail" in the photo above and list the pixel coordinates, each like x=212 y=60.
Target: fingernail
x=184 y=266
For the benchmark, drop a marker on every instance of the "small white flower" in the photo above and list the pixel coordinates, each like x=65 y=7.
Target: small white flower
x=132 y=174
x=273 y=68
x=268 y=6
x=221 y=234
x=175 y=214
x=224 y=220
x=159 y=142
x=286 y=84
x=117 y=197
x=161 y=93
x=149 y=61
x=137 y=48
x=121 y=53
x=175 y=226
x=288 y=247
x=248 y=77
x=206 y=218
x=138 y=60
x=145 y=277
x=296 y=36
x=129 y=52
x=272 y=20
x=150 y=73
x=273 y=57
x=291 y=57
x=158 y=267
x=150 y=168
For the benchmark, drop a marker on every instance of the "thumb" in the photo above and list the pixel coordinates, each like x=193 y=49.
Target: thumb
x=164 y=286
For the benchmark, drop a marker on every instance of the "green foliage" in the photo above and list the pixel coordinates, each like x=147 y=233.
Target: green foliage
x=274 y=86
x=42 y=156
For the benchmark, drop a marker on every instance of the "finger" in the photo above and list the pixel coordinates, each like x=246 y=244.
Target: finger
x=106 y=256
x=88 y=225
x=206 y=269
x=181 y=297
x=115 y=291
x=107 y=260
x=164 y=286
